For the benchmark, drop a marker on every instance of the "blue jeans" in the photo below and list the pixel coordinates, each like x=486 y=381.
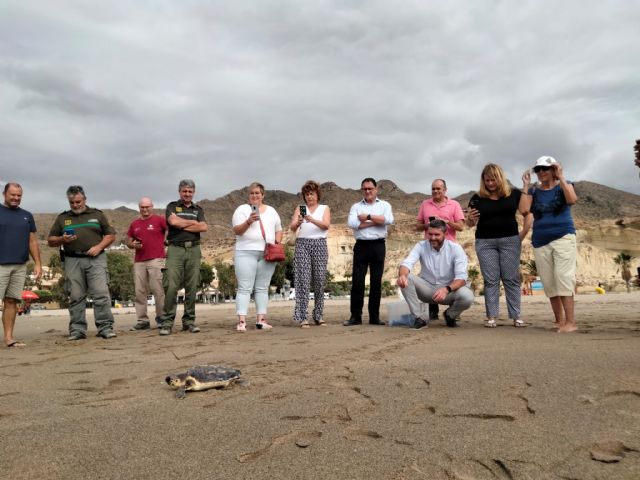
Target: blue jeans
x=253 y=274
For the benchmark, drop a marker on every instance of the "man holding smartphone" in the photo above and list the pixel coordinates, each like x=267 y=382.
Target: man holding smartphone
x=440 y=207
x=146 y=236
x=83 y=233
x=186 y=222
x=369 y=219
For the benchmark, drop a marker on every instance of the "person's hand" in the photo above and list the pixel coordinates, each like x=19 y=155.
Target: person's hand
x=473 y=215
x=402 y=281
x=440 y=294
x=526 y=179
x=94 y=251
x=363 y=217
x=137 y=244
x=254 y=217
x=557 y=171
x=308 y=218
x=66 y=238
x=37 y=271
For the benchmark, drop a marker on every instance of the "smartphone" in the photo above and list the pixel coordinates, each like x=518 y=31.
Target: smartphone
x=303 y=210
x=69 y=231
x=473 y=203
x=254 y=209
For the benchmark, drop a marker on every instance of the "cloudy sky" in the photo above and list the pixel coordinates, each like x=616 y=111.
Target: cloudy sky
x=128 y=97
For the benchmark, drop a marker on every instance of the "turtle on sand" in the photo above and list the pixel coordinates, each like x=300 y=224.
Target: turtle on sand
x=203 y=377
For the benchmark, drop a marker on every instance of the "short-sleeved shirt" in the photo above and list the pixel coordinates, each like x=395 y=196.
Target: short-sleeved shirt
x=193 y=212
x=90 y=227
x=450 y=211
x=551 y=216
x=16 y=224
x=150 y=232
x=252 y=238
x=497 y=217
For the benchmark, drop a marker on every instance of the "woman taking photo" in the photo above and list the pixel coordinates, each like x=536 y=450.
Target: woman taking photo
x=311 y=254
x=554 y=236
x=493 y=210
x=254 y=224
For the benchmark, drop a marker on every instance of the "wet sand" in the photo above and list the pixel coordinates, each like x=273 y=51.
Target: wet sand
x=330 y=402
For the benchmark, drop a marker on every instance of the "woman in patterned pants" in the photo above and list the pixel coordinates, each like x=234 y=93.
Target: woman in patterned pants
x=311 y=221
x=498 y=242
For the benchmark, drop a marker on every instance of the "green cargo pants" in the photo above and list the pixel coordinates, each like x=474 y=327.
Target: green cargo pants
x=182 y=269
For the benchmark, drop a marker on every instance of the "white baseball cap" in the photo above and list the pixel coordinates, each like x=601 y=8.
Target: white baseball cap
x=545 y=161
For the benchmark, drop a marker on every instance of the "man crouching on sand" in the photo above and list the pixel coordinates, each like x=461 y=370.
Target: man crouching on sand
x=443 y=276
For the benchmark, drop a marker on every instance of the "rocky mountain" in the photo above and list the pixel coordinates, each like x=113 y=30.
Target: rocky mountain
x=608 y=221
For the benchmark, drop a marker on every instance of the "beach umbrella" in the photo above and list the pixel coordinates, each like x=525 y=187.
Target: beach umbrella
x=29 y=295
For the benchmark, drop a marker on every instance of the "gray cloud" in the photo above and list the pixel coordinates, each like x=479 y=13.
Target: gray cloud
x=127 y=98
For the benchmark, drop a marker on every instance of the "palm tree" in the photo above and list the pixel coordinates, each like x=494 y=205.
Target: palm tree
x=624 y=260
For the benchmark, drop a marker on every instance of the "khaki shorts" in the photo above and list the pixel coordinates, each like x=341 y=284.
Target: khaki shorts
x=556 y=265
x=12 y=278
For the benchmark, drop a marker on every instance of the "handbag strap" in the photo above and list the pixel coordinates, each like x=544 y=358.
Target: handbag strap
x=264 y=236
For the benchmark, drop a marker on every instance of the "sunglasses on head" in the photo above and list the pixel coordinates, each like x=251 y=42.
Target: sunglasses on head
x=541 y=169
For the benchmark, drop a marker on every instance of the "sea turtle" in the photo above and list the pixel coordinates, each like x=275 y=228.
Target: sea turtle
x=203 y=377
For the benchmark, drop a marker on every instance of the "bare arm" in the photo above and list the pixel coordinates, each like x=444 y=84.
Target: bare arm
x=569 y=193
x=296 y=220
x=241 y=228
x=525 y=199
x=526 y=225
x=34 y=251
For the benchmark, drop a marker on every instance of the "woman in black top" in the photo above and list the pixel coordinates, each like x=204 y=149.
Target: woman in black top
x=498 y=242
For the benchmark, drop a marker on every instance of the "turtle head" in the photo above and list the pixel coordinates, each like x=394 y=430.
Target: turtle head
x=175 y=381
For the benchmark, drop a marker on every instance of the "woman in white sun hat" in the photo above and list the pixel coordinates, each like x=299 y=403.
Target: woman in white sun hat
x=554 y=236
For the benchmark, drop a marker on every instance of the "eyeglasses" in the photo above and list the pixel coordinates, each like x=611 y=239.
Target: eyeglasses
x=368 y=189
x=541 y=169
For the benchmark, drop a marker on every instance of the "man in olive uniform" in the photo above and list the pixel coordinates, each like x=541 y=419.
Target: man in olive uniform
x=186 y=221
x=83 y=233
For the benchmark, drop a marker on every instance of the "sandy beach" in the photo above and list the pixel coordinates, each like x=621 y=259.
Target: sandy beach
x=330 y=402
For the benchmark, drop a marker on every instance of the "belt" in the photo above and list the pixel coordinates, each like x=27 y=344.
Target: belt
x=192 y=243
x=78 y=254
x=373 y=240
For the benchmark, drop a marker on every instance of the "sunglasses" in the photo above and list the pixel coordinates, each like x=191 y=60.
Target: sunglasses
x=541 y=169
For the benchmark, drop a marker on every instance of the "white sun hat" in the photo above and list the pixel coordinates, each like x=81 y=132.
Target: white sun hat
x=545 y=161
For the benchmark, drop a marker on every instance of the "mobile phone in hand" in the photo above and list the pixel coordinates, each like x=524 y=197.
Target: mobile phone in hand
x=303 y=210
x=69 y=231
x=254 y=209
x=473 y=203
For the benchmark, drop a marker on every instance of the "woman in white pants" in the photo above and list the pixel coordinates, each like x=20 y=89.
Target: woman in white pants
x=253 y=272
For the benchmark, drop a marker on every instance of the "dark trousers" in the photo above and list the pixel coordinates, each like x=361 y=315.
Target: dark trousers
x=367 y=254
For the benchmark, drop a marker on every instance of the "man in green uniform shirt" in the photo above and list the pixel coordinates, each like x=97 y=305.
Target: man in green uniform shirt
x=83 y=233
x=186 y=221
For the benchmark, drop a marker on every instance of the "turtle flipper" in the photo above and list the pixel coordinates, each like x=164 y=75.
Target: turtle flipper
x=181 y=393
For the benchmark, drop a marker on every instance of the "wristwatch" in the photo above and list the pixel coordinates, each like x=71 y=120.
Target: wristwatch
x=369 y=217
x=448 y=288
